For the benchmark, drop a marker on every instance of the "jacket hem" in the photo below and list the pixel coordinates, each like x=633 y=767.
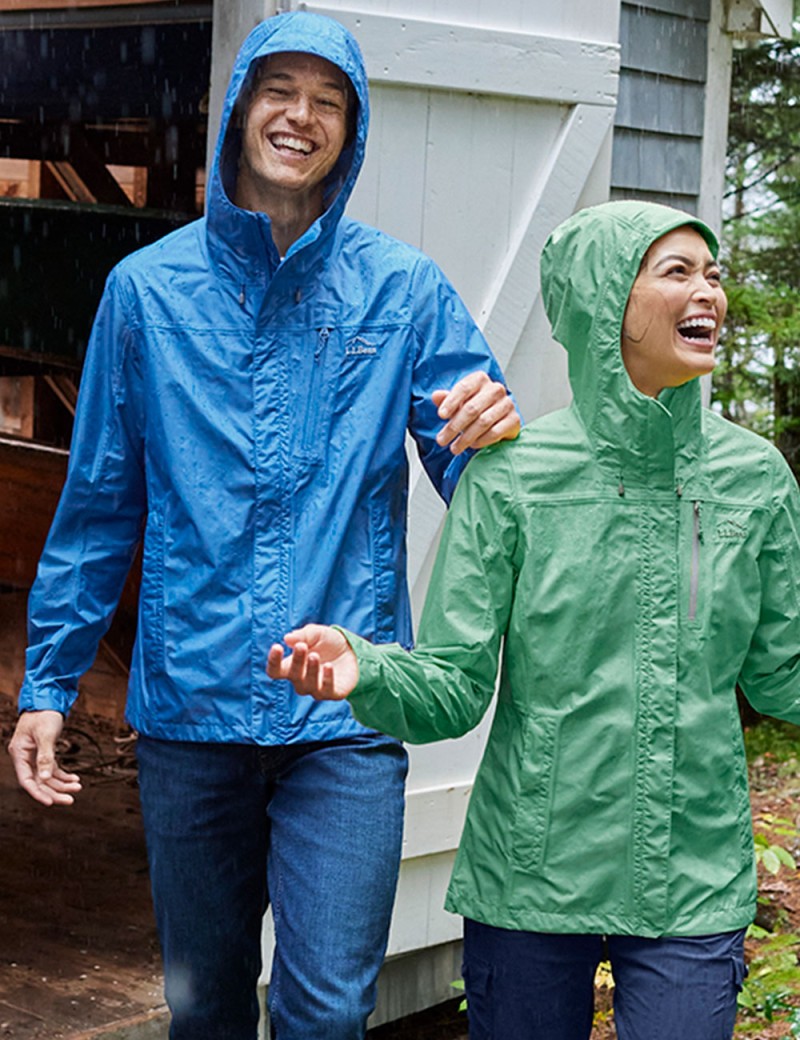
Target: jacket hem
x=334 y=729
x=727 y=919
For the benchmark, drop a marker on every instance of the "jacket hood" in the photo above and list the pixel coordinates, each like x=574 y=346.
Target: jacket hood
x=237 y=236
x=589 y=265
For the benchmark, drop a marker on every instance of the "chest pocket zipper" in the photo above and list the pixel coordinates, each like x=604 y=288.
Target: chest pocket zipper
x=314 y=404
x=694 y=571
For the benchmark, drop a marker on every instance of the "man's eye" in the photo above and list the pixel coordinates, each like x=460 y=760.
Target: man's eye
x=330 y=103
x=678 y=269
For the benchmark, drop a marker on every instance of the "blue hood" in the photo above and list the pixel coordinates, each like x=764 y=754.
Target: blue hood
x=239 y=238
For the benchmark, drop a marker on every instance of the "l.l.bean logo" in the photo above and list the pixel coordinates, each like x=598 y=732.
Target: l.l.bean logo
x=360 y=346
x=729 y=529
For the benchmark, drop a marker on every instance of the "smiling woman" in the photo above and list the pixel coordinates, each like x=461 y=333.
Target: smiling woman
x=624 y=564
x=674 y=315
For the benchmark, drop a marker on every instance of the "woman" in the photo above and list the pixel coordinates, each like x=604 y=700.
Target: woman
x=630 y=558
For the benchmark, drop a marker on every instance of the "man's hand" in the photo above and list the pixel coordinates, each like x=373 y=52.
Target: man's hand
x=321 y=665
x=33 y=752
x=478 y=412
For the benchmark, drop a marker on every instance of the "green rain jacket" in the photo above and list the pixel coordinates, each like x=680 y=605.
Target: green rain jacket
x=629 y=560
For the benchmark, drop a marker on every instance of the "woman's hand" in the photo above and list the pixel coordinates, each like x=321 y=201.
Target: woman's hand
x=322 y=664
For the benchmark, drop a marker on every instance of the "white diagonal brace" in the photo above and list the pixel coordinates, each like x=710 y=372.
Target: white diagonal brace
x=515 y=288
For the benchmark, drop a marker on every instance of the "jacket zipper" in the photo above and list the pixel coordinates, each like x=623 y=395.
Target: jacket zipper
x=694 y=574
x=314 y=385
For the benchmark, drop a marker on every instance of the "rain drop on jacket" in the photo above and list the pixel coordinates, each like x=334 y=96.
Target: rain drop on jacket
x=248 y=414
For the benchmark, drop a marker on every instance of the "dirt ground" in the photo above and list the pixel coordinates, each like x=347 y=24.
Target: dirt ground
x=78 y=948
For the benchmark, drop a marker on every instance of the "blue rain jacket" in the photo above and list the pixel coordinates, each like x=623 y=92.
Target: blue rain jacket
x=247 y=414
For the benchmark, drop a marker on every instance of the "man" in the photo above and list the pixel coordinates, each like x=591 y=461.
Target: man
x=245 y=398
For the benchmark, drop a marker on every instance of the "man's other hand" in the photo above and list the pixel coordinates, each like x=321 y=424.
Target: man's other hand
x=33 y=752
x=477 y=412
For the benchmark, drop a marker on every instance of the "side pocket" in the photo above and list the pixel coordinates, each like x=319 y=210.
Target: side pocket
x=151 y=608
x=534 y=799
x=478 y=979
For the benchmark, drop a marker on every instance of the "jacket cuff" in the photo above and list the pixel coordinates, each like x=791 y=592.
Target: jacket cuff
x=45 y=698
x=370 y=681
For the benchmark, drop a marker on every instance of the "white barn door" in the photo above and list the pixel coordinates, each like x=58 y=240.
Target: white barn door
x=490 y=124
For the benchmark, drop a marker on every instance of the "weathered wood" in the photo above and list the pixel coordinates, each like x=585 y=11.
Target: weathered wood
x=662 y=163
x=47 y=5
x=660 y=105
x=653 y=41
x=482 y=60
x=31 y=478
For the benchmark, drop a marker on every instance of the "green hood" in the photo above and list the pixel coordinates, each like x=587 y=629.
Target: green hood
x=589 y=265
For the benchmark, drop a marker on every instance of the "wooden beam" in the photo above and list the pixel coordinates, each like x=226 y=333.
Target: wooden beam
x=444 y=56
x=60 y=5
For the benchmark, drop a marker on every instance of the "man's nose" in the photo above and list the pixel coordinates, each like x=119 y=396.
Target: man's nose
x=300 y=108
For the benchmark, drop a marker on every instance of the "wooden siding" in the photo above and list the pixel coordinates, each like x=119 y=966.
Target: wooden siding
x=658 y=133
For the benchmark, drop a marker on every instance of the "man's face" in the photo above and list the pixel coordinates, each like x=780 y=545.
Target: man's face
x=295 y=125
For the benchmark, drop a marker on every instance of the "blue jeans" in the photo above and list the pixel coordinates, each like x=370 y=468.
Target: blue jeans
x=534 y=986
x=316 y=830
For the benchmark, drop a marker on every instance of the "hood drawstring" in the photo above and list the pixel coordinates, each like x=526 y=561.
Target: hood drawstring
x=241 y=297
x=621 y=488
x=679 y=490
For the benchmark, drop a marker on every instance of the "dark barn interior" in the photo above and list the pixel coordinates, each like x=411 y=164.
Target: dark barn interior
x=103 y=131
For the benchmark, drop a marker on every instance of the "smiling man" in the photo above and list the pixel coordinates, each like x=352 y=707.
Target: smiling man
x=244 y=408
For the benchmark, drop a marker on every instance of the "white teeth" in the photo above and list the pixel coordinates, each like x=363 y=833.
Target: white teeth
x=698 y=323
x=295 y=143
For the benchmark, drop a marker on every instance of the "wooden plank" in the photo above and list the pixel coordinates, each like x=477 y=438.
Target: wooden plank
x=689 y=203
x=59 y=5
x=664 y=44
x=656 y=163
x=514 y=291
x=697 y=9
x=660 y=105
x=589 y=19
x=446 y=56
x=16 y=405
x=31 y=477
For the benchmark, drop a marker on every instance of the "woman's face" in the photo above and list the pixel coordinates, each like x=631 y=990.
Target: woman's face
x=674 y=313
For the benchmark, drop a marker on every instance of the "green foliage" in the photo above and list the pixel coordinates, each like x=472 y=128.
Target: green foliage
x=780 y=740
x=459 y=985
x=757 y=382
x=773 y=981
x=771 y=856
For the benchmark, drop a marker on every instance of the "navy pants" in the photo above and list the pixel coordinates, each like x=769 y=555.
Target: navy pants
x=316 y=830
x=535 y=986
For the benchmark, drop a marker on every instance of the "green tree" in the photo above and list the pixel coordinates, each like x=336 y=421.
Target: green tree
x=758 y=379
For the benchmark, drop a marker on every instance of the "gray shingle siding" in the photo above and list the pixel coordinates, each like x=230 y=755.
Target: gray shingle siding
x=660 y=114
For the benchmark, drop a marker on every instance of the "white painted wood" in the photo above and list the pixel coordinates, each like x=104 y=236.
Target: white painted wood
x=453 y=56
x=230 y=24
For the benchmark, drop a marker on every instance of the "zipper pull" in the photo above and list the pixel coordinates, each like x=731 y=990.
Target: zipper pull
x=322 y=342
x=698 y=519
